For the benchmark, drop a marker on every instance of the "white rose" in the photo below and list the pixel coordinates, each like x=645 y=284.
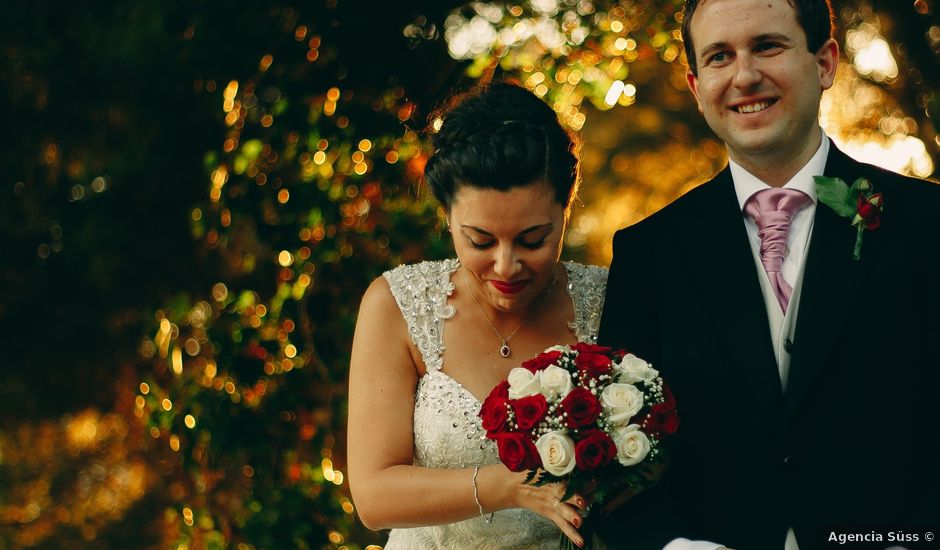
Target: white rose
x=556 y=348
x=632 y=369
x=523 y=383
x=557 y=452
x=556 y=382
x=621 y=402
x=632 y=445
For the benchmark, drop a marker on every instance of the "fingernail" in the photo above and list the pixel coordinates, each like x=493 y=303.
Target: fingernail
x=577 y=522
x=580 y=543
x=581 y=502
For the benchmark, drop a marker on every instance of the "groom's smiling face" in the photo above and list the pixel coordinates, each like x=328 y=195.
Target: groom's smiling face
x=758 y=84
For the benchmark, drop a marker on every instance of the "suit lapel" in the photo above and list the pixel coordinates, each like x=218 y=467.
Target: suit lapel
x=720 y=253
x=832 y=280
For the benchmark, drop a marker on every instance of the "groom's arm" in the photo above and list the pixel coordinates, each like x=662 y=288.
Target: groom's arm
x=927 y=513
x=630 y=321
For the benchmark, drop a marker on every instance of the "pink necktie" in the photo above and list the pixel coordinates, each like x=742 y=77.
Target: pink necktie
x=772 y=210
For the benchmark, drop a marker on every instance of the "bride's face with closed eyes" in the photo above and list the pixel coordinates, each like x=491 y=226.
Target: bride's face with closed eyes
x=509 y=242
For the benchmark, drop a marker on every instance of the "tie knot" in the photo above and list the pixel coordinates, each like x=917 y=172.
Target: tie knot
x=774 y=205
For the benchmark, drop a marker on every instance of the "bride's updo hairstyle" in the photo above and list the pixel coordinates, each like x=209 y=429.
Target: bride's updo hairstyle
x=500 y=137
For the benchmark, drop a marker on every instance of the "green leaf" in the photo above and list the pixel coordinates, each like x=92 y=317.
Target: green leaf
x=530 y=475
x=545 y=478
x=834 y=193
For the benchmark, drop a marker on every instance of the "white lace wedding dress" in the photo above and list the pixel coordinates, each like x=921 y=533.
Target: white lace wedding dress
x=447 y=429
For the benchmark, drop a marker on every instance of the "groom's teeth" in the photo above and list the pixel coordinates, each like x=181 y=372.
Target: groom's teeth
x=754 y=107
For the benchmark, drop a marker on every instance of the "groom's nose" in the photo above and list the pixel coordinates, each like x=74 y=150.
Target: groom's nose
x=746 y=72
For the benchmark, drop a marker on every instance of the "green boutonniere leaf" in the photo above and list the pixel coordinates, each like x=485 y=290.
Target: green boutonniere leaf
x=834 y=193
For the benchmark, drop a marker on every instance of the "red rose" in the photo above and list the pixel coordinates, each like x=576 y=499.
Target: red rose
x=529 y=410
x=582 y=347
x=541 y=361
x=495 y=413
x=594 y=450
x=592 y=364
x=501 y=389
x=663 y=419
x=517 y=452
x=581 y=406
x=869 y=210
x=668 y=397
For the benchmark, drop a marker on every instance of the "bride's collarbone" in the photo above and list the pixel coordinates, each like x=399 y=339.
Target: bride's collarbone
x=476 y=363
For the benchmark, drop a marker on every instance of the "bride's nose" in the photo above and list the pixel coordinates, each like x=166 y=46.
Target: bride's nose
x=507 y=262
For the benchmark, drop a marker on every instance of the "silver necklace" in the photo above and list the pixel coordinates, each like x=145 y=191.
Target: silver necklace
x=504 y=350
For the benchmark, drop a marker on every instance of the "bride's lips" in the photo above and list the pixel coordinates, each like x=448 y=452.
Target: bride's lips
x=509 y=288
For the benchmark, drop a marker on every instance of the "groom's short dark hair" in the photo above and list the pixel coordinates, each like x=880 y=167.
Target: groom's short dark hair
x=815 y=18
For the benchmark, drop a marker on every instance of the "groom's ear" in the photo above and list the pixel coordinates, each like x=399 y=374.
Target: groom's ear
x=693 y=87
x=827 y=61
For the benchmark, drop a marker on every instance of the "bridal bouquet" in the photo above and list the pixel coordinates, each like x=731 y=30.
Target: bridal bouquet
x=581 y=414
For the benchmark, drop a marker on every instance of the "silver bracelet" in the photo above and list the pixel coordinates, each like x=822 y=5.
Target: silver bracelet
x=476 y=496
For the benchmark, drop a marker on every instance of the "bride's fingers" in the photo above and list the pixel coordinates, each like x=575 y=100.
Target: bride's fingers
x=567 y=518
x=578 y=501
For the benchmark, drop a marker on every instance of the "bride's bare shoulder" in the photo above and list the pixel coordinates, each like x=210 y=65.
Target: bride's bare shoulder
x=378 y=302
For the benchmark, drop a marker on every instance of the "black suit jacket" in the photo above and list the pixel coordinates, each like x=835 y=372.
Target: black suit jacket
x=853 y=442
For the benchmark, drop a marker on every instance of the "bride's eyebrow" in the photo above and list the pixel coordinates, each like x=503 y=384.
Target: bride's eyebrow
x=525 y=231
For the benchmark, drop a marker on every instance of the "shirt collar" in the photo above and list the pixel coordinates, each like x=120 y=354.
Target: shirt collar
x=746 y=184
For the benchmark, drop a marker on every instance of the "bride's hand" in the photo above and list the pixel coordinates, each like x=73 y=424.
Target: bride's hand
x=546 y=501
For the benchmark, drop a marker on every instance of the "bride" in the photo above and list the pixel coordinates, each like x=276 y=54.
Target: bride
x=432 y=339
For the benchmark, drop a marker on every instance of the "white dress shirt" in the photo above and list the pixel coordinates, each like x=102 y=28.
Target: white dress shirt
x=801 y=226
x=781 y=324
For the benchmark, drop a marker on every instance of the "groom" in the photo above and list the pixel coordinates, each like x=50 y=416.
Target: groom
x=808 y=381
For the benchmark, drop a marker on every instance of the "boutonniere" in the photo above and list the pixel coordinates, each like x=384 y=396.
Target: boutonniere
x=856 y=202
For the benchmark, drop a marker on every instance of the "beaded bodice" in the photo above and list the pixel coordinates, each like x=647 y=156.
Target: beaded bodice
x=447 y=429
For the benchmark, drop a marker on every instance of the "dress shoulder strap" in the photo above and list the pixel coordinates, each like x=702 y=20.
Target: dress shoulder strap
x=587 y=286
x=421 y=291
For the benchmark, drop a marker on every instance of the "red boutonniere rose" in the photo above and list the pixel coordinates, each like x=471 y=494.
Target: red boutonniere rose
x=856 y=202
x=869 y=211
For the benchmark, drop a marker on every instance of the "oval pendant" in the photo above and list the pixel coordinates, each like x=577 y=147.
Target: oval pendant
x=504 y=350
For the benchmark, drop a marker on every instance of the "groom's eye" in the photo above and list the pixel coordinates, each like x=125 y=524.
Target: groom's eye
x=767 y=47
x=716 y=58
